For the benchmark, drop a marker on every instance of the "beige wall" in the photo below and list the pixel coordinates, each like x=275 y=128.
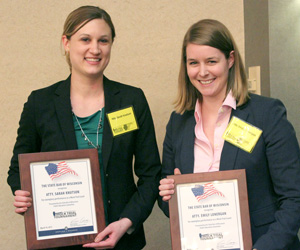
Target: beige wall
x=284 y=56
x=257 y=40
x=145 y=54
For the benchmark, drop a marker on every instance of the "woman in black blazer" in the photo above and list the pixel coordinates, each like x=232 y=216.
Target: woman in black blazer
x=71 y=114
x=212 y=90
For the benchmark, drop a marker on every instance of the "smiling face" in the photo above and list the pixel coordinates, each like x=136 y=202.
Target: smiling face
x=89 y=48
x=207 y=68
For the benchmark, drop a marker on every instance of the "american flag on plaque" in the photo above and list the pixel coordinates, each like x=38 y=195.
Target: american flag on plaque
x=59 y=169
x=201 y=192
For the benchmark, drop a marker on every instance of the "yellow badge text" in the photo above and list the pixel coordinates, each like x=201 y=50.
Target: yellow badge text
x=242 y=134
x=122 y=121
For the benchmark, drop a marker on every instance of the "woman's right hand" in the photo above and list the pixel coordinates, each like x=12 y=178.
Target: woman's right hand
x=166 y=187
x=22 y=201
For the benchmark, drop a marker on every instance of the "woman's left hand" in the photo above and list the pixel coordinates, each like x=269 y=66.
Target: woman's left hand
x=110 y=236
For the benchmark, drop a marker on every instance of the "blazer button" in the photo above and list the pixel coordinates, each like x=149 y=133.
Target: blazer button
x=108 y=201
x=106 y=175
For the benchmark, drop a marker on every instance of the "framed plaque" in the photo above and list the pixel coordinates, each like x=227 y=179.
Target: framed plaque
x=67 y=207
x=210 y=211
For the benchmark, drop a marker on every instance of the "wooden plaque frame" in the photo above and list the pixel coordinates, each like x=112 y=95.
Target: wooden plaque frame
x=26 y=183
x=239 y=175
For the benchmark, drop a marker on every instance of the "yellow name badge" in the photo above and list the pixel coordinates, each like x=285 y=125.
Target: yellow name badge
x=242 y=134
x=122 y=121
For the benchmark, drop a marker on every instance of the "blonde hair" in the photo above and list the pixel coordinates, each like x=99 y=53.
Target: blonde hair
x=80 y=17
x=215 y=34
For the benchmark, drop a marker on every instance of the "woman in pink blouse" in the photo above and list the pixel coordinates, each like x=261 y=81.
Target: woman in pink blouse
x=212 y=90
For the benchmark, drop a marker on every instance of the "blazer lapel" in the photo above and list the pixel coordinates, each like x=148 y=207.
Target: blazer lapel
x=112 y=103
x=229 y=152
x=63 y=109
x=187 y=148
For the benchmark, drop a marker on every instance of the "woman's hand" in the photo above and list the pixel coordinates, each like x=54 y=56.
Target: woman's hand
x=22 y=201
x=110 y=236
x=166 y=187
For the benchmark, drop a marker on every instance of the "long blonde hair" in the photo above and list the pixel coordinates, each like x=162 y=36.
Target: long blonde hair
x=215 y=34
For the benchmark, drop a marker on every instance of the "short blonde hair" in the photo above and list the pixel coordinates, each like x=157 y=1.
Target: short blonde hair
x=80 y=17
x=215 y=34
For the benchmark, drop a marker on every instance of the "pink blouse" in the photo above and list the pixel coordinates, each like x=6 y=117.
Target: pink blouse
x=206 y=157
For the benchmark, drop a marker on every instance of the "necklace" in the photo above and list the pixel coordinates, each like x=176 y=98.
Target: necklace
x=85 y=136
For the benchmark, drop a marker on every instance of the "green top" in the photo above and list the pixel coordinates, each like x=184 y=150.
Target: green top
x=89 y=126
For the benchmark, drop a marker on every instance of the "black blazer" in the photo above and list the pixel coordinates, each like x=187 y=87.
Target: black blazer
x=46 y=124
x=272 y=169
